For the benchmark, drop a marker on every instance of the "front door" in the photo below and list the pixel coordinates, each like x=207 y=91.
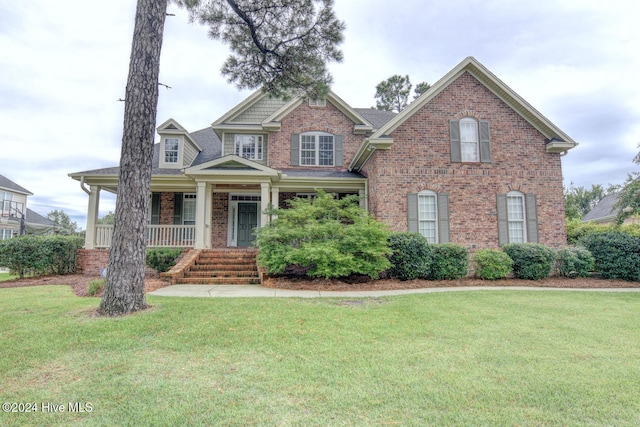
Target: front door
x=247 y=222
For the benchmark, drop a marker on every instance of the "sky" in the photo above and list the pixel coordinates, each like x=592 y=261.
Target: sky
x=64 y=65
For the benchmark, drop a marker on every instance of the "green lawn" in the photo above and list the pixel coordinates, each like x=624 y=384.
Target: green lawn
x=7 y=276
x=462 y=358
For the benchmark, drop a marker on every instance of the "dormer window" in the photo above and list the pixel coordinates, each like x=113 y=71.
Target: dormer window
x=171 y=150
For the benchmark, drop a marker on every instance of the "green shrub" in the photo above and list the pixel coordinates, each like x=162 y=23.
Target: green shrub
x=617 y=254
x=574 y=261
x=324 y=237
x=96 y=287
x=531 y=261
x=448 y=262
x=410 y=256
x=162 y=259
x=40 y=255
x=492 y=264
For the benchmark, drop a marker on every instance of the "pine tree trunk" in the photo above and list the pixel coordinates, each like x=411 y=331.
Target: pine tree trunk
x=124 y=289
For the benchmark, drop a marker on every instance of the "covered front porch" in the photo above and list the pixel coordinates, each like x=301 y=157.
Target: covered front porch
x=216 y=205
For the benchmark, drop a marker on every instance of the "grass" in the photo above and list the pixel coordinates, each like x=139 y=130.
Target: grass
x=7 y=276
x=464 y=358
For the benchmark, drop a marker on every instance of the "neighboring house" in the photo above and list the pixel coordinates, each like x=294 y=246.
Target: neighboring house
x=13 y=205
x=605 y=212
x=15 y=218
x=469 y=162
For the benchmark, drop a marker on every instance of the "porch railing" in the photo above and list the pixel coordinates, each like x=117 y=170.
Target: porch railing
x=182 y=236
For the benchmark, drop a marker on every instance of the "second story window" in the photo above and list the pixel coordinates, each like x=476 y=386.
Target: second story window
x=171 y=150
x=469 y=140
x=316 y=149
x=249 y=146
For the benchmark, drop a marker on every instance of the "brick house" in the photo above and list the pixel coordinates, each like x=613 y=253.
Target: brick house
x=468 y=162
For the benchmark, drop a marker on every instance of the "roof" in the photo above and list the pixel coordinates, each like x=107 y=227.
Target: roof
x=7 y=184
x=377 y=118
x=604 y=210
x=36 y=219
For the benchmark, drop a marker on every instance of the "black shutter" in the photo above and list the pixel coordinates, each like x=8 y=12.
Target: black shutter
x=454 y=132
x=295 y=149
x=485 y=142
x=155 y=208
x=177 y=208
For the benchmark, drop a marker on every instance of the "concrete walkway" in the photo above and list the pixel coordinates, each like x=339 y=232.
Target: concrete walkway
x=243 y=291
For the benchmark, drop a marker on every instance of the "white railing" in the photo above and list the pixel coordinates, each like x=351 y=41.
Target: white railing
x=182 y=236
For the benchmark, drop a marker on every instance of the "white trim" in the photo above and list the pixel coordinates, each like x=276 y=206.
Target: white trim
x=429 y=193
x=521 y=196
x=232 y=215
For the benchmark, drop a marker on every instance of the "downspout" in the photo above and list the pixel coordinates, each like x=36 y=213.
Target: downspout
x=83 y=186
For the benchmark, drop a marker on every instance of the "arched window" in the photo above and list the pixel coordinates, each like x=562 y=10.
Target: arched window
x=469 y=140
x=516 y=217
x=428 y=215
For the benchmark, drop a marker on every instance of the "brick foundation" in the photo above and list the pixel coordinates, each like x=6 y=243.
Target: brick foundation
x=90 y=261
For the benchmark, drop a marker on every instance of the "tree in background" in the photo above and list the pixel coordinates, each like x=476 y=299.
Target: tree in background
x=628 y=203
x=282 y=46
x=393 y=94
x=108 y=219
x=67 y=227
x=578 y=201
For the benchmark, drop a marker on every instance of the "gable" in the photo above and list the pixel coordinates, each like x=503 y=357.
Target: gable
x=556 y=140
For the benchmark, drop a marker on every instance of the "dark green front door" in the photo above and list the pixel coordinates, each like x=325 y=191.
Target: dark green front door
x=247 y=221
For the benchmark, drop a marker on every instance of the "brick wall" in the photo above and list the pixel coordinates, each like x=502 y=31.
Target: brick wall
x=166 y=208
x=308 y=119
x=90 y=261
x=420 y=159
x=219 y=220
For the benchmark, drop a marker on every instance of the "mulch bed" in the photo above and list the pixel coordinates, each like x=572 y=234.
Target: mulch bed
x=79 y=283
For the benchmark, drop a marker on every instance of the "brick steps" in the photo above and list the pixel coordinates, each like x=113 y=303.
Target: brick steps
x=222 y=267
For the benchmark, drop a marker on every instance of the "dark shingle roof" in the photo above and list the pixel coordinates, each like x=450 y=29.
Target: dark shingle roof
x=36 y=218
x=7 y=184
x=377 y=118
x=604 y=209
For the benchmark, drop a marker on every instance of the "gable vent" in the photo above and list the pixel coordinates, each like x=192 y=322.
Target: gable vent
x=317 y=102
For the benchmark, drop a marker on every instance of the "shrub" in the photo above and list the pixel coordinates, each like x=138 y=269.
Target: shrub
x=531 y=261
x=448 y=262
x=617 y=255
x=324 y=237
x=162 y=259
x=574 y=261
x=96 y=287
x=410 y=256
x=40 y=255
x=492 y=264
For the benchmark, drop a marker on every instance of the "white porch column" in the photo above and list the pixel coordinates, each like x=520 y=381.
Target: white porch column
x=363 y=199
x=264 y=203
x=208 y=206
x=275 y=198
x=201 y=216
x=92 y=217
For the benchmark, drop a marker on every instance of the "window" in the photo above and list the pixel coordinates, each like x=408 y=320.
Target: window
x=516 y=217
x=317 y=102
x=316 y=149
x=5 y=202
x=5 y=234
x=428 y=215
x=470 y=140
x=171 y=150
x=249 y=146
x=189 y=209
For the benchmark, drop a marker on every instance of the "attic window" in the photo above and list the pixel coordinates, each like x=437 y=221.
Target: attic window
x=171 y=150
x=317 y=102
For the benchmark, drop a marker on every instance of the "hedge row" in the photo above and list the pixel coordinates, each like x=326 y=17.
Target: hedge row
x=414 y=258
x=40 y=255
